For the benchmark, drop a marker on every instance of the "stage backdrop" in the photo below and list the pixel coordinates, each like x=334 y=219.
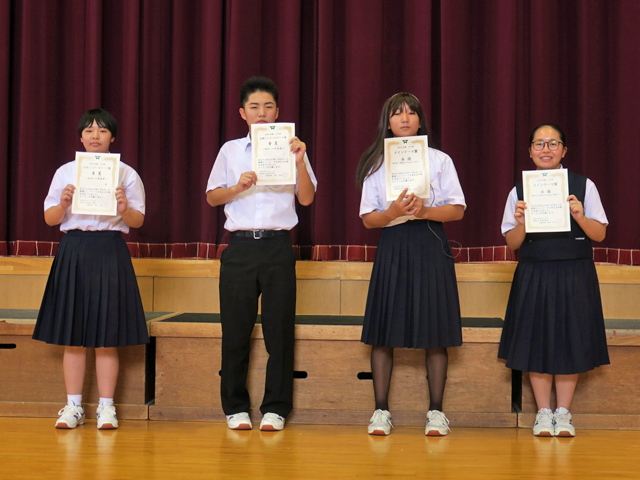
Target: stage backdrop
x=170 y=71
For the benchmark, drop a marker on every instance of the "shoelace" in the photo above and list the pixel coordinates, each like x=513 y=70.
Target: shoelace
x=545 y=419
x=563 y=418
x=273 y=416
x=72 y=409
x=379 y=417
x=437 y=417
x=107 y=409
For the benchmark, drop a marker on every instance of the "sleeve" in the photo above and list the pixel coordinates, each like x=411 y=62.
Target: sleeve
x=370 y=200
x=593 y=208
x=55 y=190
x=509 y=221
x=307 y=164
x=218 y=176
x=134 y=190
x=450 y=187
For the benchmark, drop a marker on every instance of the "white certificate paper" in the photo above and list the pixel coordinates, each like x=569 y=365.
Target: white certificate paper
x=271 y=155
x=96 y=179
x=406 y=165
x=546 y=192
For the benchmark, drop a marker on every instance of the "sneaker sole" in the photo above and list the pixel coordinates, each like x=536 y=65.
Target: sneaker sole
x=565 y=434
x=64 y=426
x=544 y=434
x=242 y=426
x=108 y=426
x=435 y=433
x=379 y=432
x=269 y=428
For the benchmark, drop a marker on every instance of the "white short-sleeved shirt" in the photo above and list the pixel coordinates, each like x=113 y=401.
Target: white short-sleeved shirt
x=133 y=189
x=260 y=207
x=445 y=188
x=593 y=208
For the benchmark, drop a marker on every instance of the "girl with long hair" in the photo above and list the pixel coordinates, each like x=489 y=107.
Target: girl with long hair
x=413 y=294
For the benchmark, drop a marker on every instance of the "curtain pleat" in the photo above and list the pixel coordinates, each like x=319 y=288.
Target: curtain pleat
x=170 y=71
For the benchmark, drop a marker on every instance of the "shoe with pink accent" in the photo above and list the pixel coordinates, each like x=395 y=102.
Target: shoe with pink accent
x=272 y=422
x=107 y=417
x=437 y=424
x=70 y=417
x=380 y=423
x=239 y=421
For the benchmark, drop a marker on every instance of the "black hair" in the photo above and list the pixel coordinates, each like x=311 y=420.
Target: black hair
x=372 y=159
x=103 y=118
x=551 y=125
x=258 y=84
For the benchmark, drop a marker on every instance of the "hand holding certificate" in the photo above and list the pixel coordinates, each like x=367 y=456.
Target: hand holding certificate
x=271 y=155
x=546 y=193
x=96 y=179
x=406 y=165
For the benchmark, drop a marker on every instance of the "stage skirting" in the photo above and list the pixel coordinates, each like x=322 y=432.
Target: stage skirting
x=176 y=377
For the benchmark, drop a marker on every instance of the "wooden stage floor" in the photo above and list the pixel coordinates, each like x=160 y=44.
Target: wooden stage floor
x=33 y=448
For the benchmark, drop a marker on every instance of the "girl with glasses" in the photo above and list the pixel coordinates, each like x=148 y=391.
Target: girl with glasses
x=554 y=327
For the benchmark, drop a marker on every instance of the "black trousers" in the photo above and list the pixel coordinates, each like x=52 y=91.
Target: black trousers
x=250 y=268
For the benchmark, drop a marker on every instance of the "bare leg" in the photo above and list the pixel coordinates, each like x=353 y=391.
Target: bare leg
x=107 y=366
x=565 y=387
x=381 y=368
x=74 y=365
x=541 y=384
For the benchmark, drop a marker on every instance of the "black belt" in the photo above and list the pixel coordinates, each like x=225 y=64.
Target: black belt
x=259 y=234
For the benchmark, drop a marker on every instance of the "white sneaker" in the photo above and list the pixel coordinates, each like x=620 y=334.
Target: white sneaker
x=70 y=416
x=544 y=423
x=107 y=417
x=272 y=422
x=563 y=424
x=239 y=421
x=380 y=423
x=437 y=424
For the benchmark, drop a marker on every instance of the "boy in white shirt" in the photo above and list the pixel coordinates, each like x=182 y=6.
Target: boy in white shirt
x=258 y=261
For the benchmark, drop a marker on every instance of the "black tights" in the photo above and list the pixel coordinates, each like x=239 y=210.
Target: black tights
x=437 y=361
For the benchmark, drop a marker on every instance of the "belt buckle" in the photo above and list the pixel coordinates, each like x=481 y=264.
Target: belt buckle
x=256 y=235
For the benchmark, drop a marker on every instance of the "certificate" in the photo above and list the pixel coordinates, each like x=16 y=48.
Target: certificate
x=271 y=155
x=96 y=178
x=406 y=165
x=546 y=192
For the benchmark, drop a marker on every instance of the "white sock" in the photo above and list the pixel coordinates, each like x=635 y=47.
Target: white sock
x=105 y=401
x=547 y=410
x=74 y=400
x=561 y=410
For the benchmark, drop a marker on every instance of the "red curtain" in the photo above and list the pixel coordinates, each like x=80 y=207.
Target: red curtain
x=170 y=72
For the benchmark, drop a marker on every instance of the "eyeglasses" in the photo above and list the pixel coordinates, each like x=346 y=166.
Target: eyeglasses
x=539 y=145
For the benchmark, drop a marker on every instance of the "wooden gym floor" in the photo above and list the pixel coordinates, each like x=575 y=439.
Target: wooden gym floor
x=33 y=448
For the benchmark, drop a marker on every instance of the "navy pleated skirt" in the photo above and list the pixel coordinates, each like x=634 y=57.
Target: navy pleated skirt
x=554 y=322
x=413 y=293
x=92 y=297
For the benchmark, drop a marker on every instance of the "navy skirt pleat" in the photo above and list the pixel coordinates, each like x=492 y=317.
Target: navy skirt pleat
x=92 y=297
x=554 y=322
x=413 y=293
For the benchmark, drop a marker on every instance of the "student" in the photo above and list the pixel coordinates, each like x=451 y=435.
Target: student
x=554 y=327
x=92 y=299
x=258 y=261
x=413 y=294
